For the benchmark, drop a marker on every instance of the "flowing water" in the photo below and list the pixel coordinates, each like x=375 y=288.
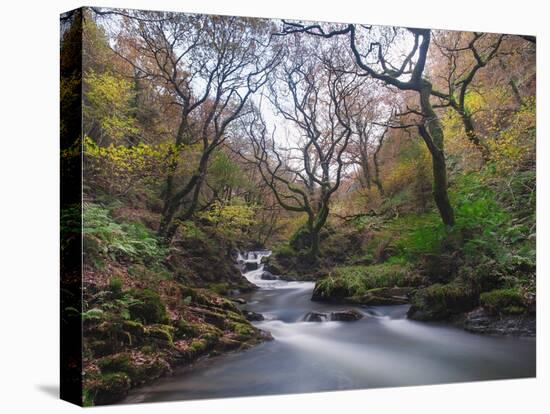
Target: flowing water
x=383 y=349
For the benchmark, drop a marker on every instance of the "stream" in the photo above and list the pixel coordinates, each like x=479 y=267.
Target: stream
x=383 y=349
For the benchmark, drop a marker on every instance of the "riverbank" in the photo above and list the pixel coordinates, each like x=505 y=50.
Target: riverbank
x=382 y=348
x=149 y=310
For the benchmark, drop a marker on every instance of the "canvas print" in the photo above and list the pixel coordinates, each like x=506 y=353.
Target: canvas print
x=255 y=206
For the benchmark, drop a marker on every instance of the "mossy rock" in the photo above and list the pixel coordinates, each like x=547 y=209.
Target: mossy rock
x=213 y=317
x=109 y=388
x=211 y=338
x=347 y=283
x=101 y=347
x=384 y=296
x=503 y=302
x=134 y=328
x=161 y=335
x=271 y=265
x=186 y=329
x=148 y=371
x=198 y=347
x=243 y=331
x=227 y=344
x=207 y=298
x=149 y=308
x=115 y=363
x=439 y=302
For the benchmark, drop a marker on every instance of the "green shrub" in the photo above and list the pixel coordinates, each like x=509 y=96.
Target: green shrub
x=115 y=285
x=105 y=236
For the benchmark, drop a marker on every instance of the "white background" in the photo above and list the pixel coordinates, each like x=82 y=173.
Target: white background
x=30 y=200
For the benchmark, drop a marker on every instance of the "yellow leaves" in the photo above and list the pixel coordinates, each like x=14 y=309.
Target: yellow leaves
x=515 y=145
x=458 y=147
x=123 y=166
x=416 y=166
x=231 y=217
x=108 y=102
x=474 y=101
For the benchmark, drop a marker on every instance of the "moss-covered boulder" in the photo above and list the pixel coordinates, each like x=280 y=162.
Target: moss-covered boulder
x=441 y=301
x=384 y=296
x=147 y=307
x=100 y=347
x=186 y=329
x=161 y=335
x=356 y=283
x=243 y=331
x=148 y=369
x=503 y=302
x=136 y=331
x=140 y=367
x=108 y=388
x=115 y=363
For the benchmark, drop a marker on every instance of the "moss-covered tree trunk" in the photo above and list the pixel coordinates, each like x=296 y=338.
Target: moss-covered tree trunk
x=314 y=249
x=432 y=133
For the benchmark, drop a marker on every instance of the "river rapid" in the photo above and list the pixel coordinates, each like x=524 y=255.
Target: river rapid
x=383 y=349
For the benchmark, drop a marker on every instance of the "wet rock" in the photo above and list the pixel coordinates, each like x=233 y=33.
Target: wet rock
x=346 y=315
x=268 y=276
x=384 y=296
x=253 y=316
x=249 y=266
x=316 y=317
x=240 y=301
x=271 y=266
x=265 y=335
x=481 y=321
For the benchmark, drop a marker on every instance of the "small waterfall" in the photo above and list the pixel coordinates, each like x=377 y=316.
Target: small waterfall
x=253 y=268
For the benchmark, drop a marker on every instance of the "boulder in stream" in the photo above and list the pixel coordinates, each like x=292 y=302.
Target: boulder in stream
x=384 y=296
x=251 y=266
x=268 y=276
x=253 y=316
x=349 y=315
x=316 y=317
x=481 y=321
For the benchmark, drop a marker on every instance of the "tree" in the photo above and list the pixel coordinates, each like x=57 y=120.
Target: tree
x=368 y=137
x=407 y=75
x=317 y=102
x=460 y=75
x=209 y=67
x=108 y=110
